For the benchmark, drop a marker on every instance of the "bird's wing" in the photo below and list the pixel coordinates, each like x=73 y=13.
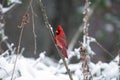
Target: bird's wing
x=62 y=39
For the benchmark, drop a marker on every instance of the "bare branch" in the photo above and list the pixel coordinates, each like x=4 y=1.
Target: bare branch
x=80 y=29
x=84 y=58
x=105 y=50
x=25 y=20
x=34 y=34
x=53 y=38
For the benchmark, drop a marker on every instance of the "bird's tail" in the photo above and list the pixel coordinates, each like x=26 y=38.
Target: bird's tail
x=64 y=52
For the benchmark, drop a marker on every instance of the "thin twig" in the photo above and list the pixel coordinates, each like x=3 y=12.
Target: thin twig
x=53 y=38
x=34 y=34
x=25 y=20
x=104 y=49
x=18 y=49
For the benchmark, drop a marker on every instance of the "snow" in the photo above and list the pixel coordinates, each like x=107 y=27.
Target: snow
x=6 y=9
x=28 y=69
x=46 y=68
x=86 y=44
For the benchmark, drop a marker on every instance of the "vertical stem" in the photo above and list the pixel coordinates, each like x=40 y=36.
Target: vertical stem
x=25 y=20
x=34 y=34
x=83 y=49
x=18 y=50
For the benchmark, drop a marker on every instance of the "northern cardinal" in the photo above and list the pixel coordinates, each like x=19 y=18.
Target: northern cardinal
x=61 y=40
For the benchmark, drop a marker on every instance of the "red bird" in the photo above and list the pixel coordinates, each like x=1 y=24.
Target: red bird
x=61 y=40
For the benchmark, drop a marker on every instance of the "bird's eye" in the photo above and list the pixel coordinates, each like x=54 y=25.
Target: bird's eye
x=57 y=32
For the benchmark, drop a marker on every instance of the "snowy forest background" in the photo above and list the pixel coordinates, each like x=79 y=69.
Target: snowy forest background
x=92 y=28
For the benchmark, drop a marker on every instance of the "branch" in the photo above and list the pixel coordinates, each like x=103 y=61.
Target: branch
x=105 y=50
x=34 y=34
x=84 y=58
x=18 y=49
x=53 y=38
x=80 y=29
x=25 y=20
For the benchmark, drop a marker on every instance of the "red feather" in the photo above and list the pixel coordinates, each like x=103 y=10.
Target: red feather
x=61 y=40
